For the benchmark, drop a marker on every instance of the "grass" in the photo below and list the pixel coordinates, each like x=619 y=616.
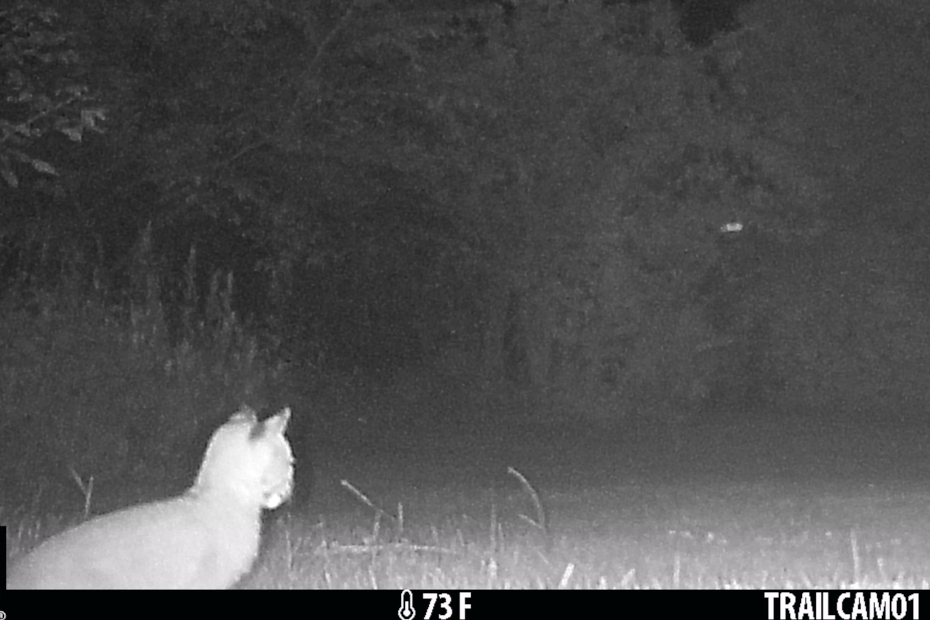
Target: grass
x=630 y=536
x=456 y=515
x=771 y=502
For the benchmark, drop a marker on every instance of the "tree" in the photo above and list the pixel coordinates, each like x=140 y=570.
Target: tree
x=47 y=92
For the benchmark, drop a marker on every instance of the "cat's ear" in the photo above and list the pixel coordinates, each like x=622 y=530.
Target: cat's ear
x=278 y=422
x=245 y=414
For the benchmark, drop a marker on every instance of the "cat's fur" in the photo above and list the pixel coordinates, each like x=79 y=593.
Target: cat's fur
x=206 y=538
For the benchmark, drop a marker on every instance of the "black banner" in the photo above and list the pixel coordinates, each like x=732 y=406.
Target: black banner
x=479 y=604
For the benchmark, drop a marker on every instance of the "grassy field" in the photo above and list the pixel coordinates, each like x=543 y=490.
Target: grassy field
x=763 y=505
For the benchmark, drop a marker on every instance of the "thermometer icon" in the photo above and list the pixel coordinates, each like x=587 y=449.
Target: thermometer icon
x=406 y=611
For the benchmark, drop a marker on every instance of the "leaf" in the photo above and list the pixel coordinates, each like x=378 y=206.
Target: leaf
x=44 y=166
x=75 y=132
x=9 y=176
x=90 y=116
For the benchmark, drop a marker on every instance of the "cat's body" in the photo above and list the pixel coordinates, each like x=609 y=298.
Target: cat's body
x=204 y=539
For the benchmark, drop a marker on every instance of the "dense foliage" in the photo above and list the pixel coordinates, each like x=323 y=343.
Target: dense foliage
x=548 y=186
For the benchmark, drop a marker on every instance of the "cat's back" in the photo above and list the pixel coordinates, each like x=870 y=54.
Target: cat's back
x=175 y=544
